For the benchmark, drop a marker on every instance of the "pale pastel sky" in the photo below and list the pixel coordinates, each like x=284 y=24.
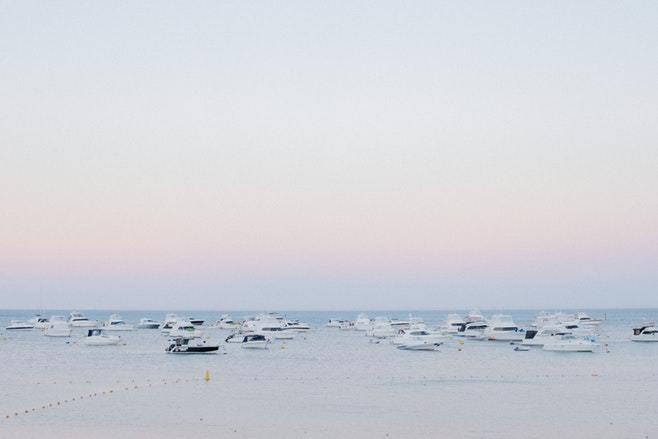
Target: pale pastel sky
x=328 y=155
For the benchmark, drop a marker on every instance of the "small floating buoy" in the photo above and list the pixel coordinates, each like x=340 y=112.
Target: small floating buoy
x=206 y=376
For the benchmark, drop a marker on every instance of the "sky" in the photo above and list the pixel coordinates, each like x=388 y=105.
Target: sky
x=328 y=155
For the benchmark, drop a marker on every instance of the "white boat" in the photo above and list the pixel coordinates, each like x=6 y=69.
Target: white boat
x=547 y=334
x=115 y=323
x=399 y=324
x=96 y=337
x=195 y=321
x=570 y=343
x=39 y=322
x=411 y=336
x=383 y=330
x=18 y=325
x=146 y=323
x=474 y=316
x=255 y=341
x=184 y=328
x=362 y=323
x=648 y=332
x=297 y=326
x=335 y=323
x=584 y=319
x=453 y=323
x=57 y=327
x=226 y=322
x=473 y=330
x=419 y=346
x=78 y=320
x=502 y=328
x=235 y=337
x=346 y=325
x=168 y=323
x=276 y=333
x=183 y=345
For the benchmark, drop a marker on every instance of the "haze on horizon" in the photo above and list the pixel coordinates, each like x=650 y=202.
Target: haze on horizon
x=328 y=155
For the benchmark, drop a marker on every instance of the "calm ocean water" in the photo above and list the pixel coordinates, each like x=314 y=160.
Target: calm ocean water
x=326 y=383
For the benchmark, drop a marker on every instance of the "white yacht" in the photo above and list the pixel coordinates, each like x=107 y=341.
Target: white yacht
x=97 y=337
x=419 y=346
x=335 y=323
x=78 y=320
x=263 y=322
x=195 y=321
x=502 y=328
x=184 y=328
x=453 y=323
x=146 y=323
x=584 y=319
x=410 y=336
x=346 y=325
x=296 y=325
x=547 y=334
x=382 y=329
x=474 y=316
x=168 y=323
x=473 y=330
x=648 y=332
x=115 y=323
x=362 y=322
x=235 y=337
x=255 y=341
x=57 y=327
x=39 y=322
x=570 y=343
x=184 y=345
x=226 y=322
x=18 y=325
x=276 y=333
x=399 y=324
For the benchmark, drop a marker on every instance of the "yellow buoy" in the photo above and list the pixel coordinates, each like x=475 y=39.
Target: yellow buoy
x=206 y=376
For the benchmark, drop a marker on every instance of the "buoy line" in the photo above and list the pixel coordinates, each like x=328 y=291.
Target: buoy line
x=85 y=396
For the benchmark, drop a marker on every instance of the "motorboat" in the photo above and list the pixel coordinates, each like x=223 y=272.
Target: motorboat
x=383 y=330
x=255 y=341
x=473 y=330
x=97 y=337
x=263 y=322
x=335 y=323
x=502 y=328
x=362 y=323
x=346 y=325
x=58 y=327
x=78 y=320
x=146 y=323
x=547 y=334
x=184 y=345
x=18 y=325
x=647 y=332
x=39 y=322
x=235 y=337
x=276 y=333
x=226 y=322
x=410 y=336
x=399 y=324
x=184 y=328
x=571 y=343
x=168 y=323
x=419 y=346
x=474 y=316
x=584 y=319
x=194 y=321
x=115 y=323
x=453 y=323
x=296 y=325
